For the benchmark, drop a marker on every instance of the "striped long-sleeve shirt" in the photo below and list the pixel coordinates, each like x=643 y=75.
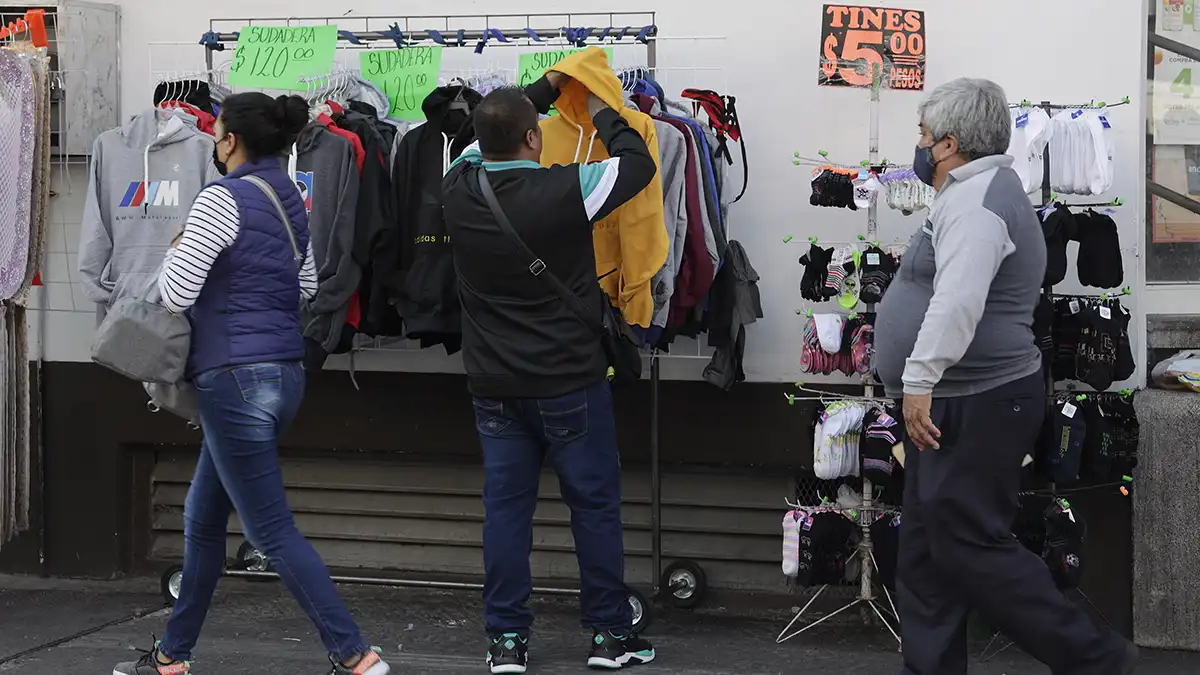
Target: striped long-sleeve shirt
x=212 y=226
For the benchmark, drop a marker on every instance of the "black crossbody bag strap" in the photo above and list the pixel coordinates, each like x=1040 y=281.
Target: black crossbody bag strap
x=536 y=267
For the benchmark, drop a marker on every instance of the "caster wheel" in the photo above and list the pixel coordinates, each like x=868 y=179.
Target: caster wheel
x=172 y=579
x=684 y=584
x=642 y=613
x=251 y=559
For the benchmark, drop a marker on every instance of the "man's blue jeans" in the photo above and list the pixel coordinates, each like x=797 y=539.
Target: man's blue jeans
x=243 y=410
x=578 y=433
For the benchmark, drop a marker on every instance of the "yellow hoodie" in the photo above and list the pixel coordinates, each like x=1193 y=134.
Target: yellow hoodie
x=631 y=243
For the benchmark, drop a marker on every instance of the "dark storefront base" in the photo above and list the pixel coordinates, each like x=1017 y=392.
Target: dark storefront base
x=102 y=445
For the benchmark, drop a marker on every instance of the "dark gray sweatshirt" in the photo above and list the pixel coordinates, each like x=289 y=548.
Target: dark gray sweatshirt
x=958 y=319
x=328 y=178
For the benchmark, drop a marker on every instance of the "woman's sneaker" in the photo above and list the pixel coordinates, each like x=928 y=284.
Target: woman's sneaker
x=508 y=653
x=369 y=664
x=150 y=665
x=612 y=651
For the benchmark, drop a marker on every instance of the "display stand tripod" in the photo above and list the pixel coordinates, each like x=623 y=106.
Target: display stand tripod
x=867 y=596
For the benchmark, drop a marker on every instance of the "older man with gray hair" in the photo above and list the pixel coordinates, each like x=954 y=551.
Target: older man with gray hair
x=954 y=339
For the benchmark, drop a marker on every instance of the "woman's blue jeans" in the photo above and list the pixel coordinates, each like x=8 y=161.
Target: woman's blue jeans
x=243 y=410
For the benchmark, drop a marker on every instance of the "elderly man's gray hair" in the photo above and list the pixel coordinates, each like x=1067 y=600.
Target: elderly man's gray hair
x=972 y=110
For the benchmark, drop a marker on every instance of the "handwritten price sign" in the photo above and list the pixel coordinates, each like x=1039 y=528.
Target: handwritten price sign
x=406 y=75
x=277 y=57
x=858 y=41
x=531 y=67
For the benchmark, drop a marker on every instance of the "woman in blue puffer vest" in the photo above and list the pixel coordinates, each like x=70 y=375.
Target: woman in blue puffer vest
x=240 y=273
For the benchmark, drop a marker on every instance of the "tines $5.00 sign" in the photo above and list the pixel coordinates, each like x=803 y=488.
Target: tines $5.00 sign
x=855 y=41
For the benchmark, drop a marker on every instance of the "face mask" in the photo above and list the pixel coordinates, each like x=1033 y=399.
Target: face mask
x=924 y=164
x=221 y=168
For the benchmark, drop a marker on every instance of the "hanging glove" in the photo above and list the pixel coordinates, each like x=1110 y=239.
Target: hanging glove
x=816 y=270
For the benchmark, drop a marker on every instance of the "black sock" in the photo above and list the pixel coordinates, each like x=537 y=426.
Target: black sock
x=1125 y=366
x=1070 y=427
x=879 y=269
x=1096 y=356
x=1058 y=227
x=1066 y=337
x=1099 y=263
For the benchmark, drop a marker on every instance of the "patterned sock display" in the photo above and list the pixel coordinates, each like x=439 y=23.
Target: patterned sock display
x=878 y=270
x=837 y=271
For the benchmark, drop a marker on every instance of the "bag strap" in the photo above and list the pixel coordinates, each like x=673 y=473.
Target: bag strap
x=283 y=217
x=536 y=267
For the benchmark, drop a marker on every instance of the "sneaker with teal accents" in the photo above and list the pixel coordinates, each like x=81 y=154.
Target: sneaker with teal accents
x=611 y=651
x=508 y=653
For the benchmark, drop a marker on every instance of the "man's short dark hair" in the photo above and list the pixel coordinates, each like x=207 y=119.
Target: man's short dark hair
x=501 y=121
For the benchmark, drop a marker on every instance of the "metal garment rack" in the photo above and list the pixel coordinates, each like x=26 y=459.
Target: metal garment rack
x=866 y=515
x=512 y=30
x=1047 y=199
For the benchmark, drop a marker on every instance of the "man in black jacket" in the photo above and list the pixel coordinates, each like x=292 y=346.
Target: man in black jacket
x=537 y=371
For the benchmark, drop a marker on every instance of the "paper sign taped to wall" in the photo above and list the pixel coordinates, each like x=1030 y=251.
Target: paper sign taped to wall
x=857 y=42
x=531 y=67
x=279 y=57
x=406 y=75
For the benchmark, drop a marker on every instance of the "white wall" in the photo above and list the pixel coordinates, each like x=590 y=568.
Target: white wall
x=770 y=53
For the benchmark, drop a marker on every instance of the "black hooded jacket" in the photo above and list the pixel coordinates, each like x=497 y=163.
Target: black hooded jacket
x=413 y=261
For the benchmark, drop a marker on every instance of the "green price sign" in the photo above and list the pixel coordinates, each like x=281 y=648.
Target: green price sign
x=406 y=75
x=278 y=57
x=532 y=66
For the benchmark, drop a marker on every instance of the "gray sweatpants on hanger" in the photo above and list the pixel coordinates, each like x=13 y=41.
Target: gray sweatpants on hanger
x=958 y=552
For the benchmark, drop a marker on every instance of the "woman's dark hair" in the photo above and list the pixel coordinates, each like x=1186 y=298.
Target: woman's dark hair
x=265 y=126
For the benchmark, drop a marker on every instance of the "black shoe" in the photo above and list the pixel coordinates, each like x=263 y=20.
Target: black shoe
x=508 y=653
x=611 y=651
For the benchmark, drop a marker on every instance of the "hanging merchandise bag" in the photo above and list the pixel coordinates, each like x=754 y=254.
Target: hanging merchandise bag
x=140 y=338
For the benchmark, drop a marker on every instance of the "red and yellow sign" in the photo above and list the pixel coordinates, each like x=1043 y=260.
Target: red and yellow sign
x=858 y=41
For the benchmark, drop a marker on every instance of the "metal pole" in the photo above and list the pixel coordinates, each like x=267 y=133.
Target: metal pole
x=866 y=589
x=655 y=478
x=469 y=36
x=405 y=583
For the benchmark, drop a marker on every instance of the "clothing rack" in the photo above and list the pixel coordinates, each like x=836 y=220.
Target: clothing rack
x=535 y=32
x=1048 y=196
x=1048 y=199
x=868 y=511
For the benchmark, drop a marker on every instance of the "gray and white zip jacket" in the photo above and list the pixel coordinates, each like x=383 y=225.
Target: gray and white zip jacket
x=958 y=318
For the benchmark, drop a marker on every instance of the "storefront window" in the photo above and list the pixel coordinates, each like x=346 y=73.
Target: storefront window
x=1173 y=143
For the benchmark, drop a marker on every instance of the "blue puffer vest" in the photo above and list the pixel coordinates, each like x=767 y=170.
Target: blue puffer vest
x=249 y=308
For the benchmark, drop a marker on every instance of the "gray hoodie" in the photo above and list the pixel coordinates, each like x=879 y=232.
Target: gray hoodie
x=327 y=175
x=672 y=162
x=144 y=177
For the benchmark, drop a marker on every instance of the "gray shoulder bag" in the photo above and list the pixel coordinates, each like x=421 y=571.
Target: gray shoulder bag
x=179 y=395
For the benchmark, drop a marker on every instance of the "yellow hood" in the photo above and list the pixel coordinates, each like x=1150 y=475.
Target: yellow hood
x=590 y=72
x=631 y=243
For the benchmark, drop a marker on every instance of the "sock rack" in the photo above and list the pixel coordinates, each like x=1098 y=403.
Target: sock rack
x=866 y=597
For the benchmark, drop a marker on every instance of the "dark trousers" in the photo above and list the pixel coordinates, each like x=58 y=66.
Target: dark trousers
x=958 y=552
x=577 y=432
x=243 y=409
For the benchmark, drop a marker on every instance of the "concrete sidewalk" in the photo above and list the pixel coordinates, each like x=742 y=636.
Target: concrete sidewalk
x=257 y=628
